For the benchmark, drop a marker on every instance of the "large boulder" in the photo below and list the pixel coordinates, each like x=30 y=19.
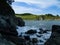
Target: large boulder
x=56 y=28
x=3 y=41
x=20 y=21
x=55 y=36
x=8 y=24
x=7 y=17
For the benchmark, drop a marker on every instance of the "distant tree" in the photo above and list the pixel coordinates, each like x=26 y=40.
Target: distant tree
x=26 y=14
x=57 y=15
x=49 y=15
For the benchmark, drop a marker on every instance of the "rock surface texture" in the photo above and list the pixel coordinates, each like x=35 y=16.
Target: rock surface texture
x=55 y=36
x=20 y=22
x=8 y=25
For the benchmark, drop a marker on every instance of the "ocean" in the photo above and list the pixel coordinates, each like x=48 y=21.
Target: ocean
x=36 y=25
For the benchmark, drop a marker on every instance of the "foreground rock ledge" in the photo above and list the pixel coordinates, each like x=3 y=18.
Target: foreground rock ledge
x=8 y=23
x=55 y=36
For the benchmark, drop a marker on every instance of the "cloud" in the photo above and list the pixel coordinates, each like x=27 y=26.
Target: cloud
x=36 y=6
x=40 y=3
x=21 y=9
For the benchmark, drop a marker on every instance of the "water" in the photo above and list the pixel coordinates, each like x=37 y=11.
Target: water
x=42 y=24
x=35 y=25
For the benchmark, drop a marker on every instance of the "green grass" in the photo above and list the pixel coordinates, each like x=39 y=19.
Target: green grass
x=28 y=17
x=36 y=17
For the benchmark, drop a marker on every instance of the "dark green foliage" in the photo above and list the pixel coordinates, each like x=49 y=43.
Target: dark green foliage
x=24 y=14
x=49 y=15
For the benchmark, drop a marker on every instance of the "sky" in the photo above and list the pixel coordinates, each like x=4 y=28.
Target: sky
x=37 y=6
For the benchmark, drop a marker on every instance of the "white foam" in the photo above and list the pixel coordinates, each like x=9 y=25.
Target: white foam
x=26 y=28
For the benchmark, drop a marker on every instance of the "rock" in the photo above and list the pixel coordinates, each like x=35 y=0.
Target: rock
x=38 y=35
x=41 y=31
x=20 y=22
x=34 y=40
x=8 y=24
x=56 y=28
x=41 y=41
x=27 y=38
x=3 y=41
x=31 y=31
x=16 y=40
x=55 y=36
x=44 y=31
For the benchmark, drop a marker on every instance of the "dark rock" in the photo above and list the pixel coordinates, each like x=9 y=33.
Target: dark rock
x=56 y=28
x=27 y=37
x=20 y=22
x=8 y=24
x=41 y=41
x=16 y=40
x=7 y=17
x=31 y=31
x=44 y=31
x=40 y=29
x=55 y=36
x=3 y=41
x=38 y=35
x=34 y=40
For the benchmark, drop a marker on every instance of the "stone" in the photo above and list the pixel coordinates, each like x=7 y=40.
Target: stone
x=8 y=25
x=56 y=28
x=55 y=36
x=27 y=38
x=34 y=40
x=3 y=41
x=31 y=31
x=20 y=22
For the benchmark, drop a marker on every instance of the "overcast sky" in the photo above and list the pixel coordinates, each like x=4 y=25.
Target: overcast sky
x=37 y=6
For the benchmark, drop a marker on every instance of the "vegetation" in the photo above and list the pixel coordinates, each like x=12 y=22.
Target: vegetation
x=28 y=16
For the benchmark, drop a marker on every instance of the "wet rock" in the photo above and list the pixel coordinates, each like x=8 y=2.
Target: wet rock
x=8 y=24
x=3 y=41
x=38 y=35
x=42 y=31
x=45 y=31
x=56 y=28
x=55 y=36
x=7 y=17
x=27 y=37
x=34 y=40
x=20 y=22
x=31 y=31
x=41 y=41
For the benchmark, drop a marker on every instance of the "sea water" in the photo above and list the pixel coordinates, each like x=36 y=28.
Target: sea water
x=36 y=25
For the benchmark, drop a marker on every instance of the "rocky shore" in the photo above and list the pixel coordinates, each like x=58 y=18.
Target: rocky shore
x=8 y=23
x=9 y=34
x=55 y=36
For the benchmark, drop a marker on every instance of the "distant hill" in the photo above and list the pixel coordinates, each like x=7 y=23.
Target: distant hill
x=29 y=16
x=24 y=14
